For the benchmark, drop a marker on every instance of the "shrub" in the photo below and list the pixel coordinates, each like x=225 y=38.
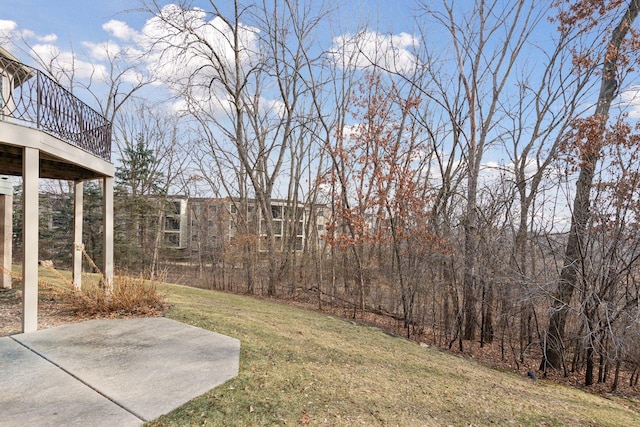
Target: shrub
x=130 y=296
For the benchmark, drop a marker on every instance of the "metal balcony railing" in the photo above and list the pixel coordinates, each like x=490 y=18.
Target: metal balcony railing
x=35 y=100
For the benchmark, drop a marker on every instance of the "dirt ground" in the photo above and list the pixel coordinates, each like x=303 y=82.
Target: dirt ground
x=50 y=312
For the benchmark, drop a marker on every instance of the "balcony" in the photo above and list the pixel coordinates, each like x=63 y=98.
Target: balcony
x=37 y=101
x=46 y=132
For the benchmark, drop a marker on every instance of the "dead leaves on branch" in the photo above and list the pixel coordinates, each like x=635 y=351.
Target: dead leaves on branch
x=588 y=24
x=590 y=138
x=380 y=165
x=584 y=15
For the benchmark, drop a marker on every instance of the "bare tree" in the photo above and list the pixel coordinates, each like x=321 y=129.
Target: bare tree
x=149 y=141
x=487 y=40
x=589 y=137
x=243 y=84
x=534 y=128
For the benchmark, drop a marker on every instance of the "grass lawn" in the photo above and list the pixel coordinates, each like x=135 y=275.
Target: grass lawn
x=300 y=367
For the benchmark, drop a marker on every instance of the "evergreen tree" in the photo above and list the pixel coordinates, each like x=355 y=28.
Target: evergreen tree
x=93 y=221
x=139 y=199
x=56 y=228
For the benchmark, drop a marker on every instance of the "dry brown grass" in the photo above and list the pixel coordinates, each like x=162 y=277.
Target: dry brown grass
x=130 y=296
x=301 y=367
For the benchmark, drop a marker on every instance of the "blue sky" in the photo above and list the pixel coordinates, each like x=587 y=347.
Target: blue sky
x=79 y=25
x=71 y=29
x=74 y=21
x=71 y=20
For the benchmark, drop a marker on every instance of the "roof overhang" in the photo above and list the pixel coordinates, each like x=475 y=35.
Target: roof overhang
x=20 y=72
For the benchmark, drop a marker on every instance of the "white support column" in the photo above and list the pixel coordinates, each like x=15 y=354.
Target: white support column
x=107 y=189
x=78 y=246
x=30 y=176
x=6 y=239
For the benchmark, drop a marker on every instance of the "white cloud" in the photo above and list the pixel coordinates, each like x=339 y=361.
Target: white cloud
x=630 y=101
x=172 y=60
x=65 y=63
x=116 y=55
x=133 y=77
x=6 y=29
x=179 y=107
x=120 y=30
x=272 y=106
x=26 y=34
x=349 y=131
x=11 y=34
x=189 y=51
x=102 y=51
x=366 y=48
x=49 y=38
x=493 y=170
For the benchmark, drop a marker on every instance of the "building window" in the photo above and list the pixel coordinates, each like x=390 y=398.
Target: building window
x=276 y=212
x=176 y=207
x=172 y=224
x=172 y=240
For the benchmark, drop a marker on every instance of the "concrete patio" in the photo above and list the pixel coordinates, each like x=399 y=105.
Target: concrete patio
x=109 y=372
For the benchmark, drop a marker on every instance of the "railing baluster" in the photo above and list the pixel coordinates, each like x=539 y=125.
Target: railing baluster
x=39 y=98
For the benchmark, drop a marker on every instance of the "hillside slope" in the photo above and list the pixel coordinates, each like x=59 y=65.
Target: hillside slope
x=300 y=367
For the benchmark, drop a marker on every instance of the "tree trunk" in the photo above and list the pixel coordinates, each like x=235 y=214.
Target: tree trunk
x=487 y=313
x=156 y=245
x=588 y=377
x=616 y=377
x=469 y=285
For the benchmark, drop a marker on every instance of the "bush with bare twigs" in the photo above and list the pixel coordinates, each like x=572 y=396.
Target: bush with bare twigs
x=129 y=296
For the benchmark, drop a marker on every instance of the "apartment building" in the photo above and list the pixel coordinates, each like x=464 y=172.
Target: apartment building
x=203 y=224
